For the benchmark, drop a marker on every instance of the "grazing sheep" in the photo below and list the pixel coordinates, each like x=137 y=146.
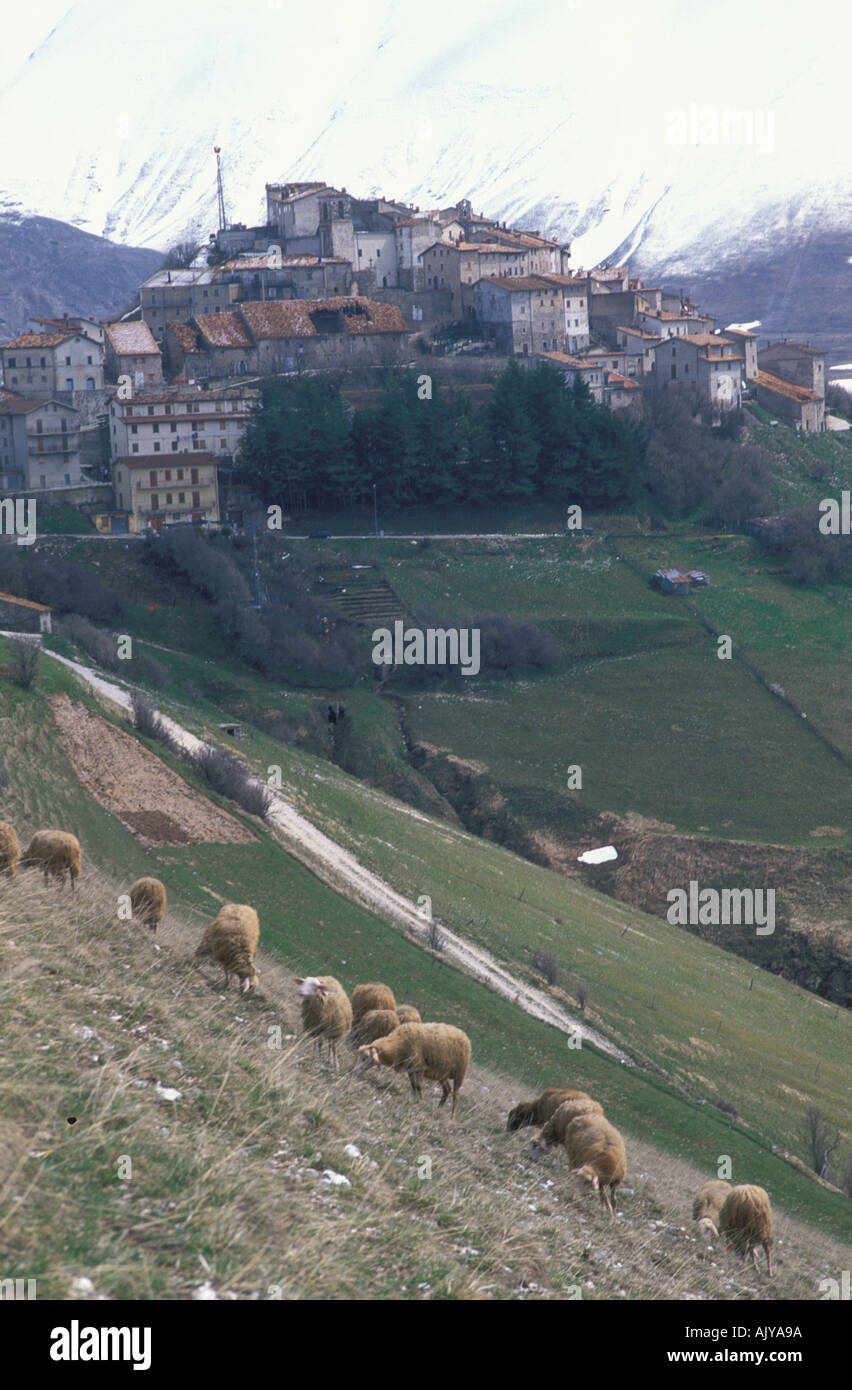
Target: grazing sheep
x=232 y=939
x=406 y=1013
x=372 y=996
x=707 y=1205
x=554 y=1130
x=10 y=849
x=745 y=1221
x=539 y=1111
x=596 y=1153
x=326 y=1012
x=55 y=852
x=375 y=1023
x=434 y=1051
x=148 y=900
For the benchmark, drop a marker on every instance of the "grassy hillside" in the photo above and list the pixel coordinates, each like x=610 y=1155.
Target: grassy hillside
x=681 y=1008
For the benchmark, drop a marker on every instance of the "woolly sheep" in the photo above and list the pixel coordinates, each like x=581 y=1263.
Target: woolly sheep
x=55 y=852
x=371 y=996
x=406 y=1013
x=10 y=849
x=707 y=1205
x=148 y=900
x=326 y=1012
x=596 y=1154
x=430 y=1051
x=375 y=1023
x=539 y=1111
x=555 y=1129
x=745 y=1221
x=232 y=939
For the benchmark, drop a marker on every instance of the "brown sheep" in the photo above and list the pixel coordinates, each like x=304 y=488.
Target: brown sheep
x=430 y=1051
x=406 y=1013
x=375 y=1023
x=10 y=849
x=371 y=996
x=596 y=1154
x=148 y=900
x=745 y=1221
x=326 y=1012
x=232 y=939
x=707 y=1205
x=555 y=1129
x=55 y=852
x=539 y=1111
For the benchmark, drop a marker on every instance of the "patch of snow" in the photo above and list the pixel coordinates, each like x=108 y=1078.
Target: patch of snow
x=598 y=856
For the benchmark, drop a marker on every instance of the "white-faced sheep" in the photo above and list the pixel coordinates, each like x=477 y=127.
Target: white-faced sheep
x=555 y=1129
x=148 y=901
x=326 y=1012
x=596 y=1154
x=406 y=1013
x=539 y=1111
x=745 y=1221
x=426 y=1051
x=56 y=852
x=372 y=996
x=232 y=939
x=375 y=1023
x=707 y=1205
x=10 y=849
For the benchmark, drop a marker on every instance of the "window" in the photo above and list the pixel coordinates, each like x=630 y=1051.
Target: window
x=199 y=444
x=168 y=475
x=174 y=446
x=152 y=478
x=134 y=448
x=69 y=384
x=196 y=499
x=168 y=410
x=64 y=425
x=193 y=475
x=180 y=475
x=39 y=427
x=168 y=499
x=134 y=429
x=150 y=410
x=223 y=443
x=29 y=361
x=156 y=429
x=42 y=361
x=181 y=496
x=90 y=383
x=67 y=475
x=12 y=362
x=155 y=502
x=223 y=425
x=156 y=446
x=88 y=362
x=67 y=361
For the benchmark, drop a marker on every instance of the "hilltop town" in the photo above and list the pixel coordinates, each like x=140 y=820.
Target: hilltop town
x=335 y=283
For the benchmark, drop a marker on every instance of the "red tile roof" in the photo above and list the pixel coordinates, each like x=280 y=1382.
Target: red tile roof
x=223 y=331
x=779 y=387
x=187 y=336
x=40 y=340
x=294 y=318
x=132 y=339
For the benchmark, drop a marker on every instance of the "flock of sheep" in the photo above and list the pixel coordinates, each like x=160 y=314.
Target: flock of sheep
x=384 y=1033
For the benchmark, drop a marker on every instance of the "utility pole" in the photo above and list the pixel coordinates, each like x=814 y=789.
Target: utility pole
x=217 y=150
x=254 y=561
x=375 y=512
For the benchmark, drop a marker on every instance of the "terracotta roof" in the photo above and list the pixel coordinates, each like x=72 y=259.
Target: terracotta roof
x=663 y=314
x=186 y=335
x=606 y=352
x=641 y=333
x=798 y=347
x=705 y=339
x=172 y=395
x=802 y=394
x=740 y=332
x=223 y=331
x=132 y=339
x=10 y=404
x=40 y=340
x=294 y=318
x=24 y=603
x=565 y=360
x=622 y=381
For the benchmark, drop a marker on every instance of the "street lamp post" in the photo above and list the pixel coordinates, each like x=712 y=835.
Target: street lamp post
x=375 y=513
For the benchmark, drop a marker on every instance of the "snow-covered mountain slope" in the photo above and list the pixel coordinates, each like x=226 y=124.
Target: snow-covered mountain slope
x=671 y=125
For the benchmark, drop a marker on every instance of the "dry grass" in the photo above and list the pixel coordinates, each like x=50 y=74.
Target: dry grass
x=227 y=1185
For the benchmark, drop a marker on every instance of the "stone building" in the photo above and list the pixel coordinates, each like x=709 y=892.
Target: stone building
x=711 y=362
x=132 y=351
x=181 y=421
x=45 y=365
x=533 y=313
x=39 y=444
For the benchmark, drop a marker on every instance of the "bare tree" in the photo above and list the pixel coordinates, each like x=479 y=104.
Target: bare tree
x=181 y=255
x=546 y=962
x=26 y=658
x=821 y=1138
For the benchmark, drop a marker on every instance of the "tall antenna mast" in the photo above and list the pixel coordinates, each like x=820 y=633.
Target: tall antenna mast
x=217 y=150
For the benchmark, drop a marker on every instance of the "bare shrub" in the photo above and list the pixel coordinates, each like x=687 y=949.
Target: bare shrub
x=435 y=938
x=728 y=1109
x=24 y=665
x=546 y=962
x=582 y=994
x=228 y=776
